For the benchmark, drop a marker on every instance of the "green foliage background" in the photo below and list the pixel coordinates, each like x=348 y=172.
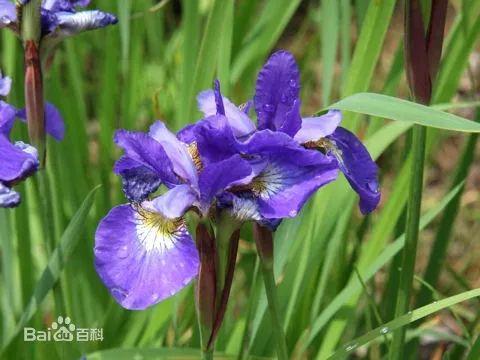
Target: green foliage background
x=337 y=271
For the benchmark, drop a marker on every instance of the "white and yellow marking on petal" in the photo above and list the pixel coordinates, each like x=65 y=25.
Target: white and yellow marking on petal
x=269 y=182
x=157 y=233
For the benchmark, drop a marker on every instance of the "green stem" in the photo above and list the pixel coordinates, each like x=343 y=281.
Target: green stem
x=207 y=354
x=48 y=231
x=411 y=237
x=264 y=241
x=31 y=26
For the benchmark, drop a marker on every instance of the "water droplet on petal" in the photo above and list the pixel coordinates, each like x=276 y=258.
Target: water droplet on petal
x=154 y=297
x=293 y=213
x=123 y=252
x=292 y=83
x=372 y=185
x=268 y=108
x=384 y=330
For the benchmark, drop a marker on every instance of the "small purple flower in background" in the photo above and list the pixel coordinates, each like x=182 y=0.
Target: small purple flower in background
x=19 y=160
x=143 y=250
x=60 y=18
x=277 y=105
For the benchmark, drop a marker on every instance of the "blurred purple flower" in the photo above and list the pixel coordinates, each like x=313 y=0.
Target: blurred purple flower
x=60 y=18
x=19 y=160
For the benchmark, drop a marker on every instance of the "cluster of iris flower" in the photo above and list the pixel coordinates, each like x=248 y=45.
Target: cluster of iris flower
x=262 y=172
x=59 y=19
x=19 y=160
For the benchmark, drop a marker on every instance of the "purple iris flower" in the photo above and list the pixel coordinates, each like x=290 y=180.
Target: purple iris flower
x=277 y=105
x=60 y=18
x=8 y=13
x=143 y=250
x=284 y=176
x=19 y=160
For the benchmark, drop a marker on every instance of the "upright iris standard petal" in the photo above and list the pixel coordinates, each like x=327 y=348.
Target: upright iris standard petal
x=359 y=168
x=276 y=98
x=237 y=119
x=8 y=13
x=143 y=257
x=314 y=128
x=176 y=150
x=214 y=139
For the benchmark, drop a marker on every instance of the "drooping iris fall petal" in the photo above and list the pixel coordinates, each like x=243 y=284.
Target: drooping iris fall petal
x=143 y=257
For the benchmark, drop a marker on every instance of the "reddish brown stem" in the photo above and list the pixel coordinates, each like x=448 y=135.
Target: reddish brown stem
x=206 y=289
x=34 y=101
x=222 y=307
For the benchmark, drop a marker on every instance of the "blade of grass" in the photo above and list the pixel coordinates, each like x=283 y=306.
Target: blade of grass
x=208 y=55
x=329 y=30
x=403 y=320
x=370 y=268
x=55 y=265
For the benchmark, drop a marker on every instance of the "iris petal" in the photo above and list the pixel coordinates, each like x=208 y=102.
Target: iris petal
x=175 y=202
x=5 y=83
x=176 y=150
x=315 y=128
x=359 y=168
x=7 y=118
x=8 y=13
x=217 y=177
x=237 y=119
x=70 y=23
x=18 y=161
x=277 y=94
x=146 y=152
x=54 y=124
x=142 y=257
x=8 y=198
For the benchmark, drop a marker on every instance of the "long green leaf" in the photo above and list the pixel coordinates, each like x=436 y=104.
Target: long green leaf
x=353 y=288
x=402 y=110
